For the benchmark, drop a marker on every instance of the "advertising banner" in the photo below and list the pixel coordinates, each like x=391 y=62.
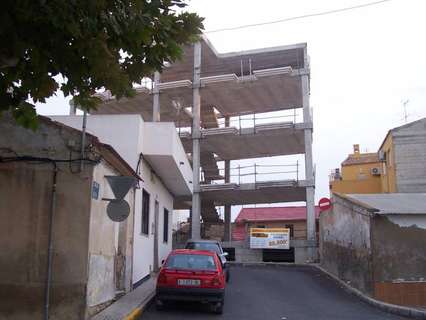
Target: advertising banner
x=269 y=238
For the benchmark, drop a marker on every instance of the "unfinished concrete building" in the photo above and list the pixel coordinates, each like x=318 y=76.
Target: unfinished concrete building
x=215 y=101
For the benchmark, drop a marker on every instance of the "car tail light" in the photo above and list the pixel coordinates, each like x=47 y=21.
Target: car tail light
x=217 y=282
x=162 y=278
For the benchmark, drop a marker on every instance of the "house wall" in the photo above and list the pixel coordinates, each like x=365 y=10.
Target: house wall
x=399 y=259
x=358 y=179
x=144 y=244
x=125 y=134
x=410 y=153
x=345 y=244
x=110 y=245
x=23 y=258
x=388 y=176
x=25 y=200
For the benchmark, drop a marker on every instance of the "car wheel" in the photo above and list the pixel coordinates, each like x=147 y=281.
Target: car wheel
x=218 y=308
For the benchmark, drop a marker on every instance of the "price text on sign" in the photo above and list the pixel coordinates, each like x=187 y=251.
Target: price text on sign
x=269 y=238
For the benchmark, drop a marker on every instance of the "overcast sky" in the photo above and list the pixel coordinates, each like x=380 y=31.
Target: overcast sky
x=364 y=63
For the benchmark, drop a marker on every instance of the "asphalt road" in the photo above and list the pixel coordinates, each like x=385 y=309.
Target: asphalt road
x=278 y=293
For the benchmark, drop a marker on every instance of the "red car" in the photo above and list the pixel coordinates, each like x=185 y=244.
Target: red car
x=192 y=275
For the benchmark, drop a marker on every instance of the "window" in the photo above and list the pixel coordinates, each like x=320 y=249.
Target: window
x=260 y=226
x=191 y=262
x=145 y=212
x=166 y=226
x=209 y=246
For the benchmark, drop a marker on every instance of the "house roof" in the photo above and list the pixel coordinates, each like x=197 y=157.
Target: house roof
x=392 y=203
x=273 y=214
x=361 y=158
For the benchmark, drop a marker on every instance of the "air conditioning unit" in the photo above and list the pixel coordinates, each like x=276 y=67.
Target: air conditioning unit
x=375 y=171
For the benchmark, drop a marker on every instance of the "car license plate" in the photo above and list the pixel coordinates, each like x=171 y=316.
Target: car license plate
x=188 y=282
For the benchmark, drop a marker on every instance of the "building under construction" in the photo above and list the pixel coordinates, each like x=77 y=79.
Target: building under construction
x=235 y=106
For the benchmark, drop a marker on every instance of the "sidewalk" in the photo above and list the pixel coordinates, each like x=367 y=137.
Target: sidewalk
x=130 y=306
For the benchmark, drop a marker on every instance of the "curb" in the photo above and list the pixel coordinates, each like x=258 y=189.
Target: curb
x=137 y=312
x=391 y=308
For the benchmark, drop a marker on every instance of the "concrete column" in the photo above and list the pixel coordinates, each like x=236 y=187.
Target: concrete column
x=309 y=172
x=227 y=233
x=156 y=98
x=196 y=200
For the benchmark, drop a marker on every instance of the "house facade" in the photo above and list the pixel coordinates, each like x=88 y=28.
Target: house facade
x=398 y=166
x=359 y=173
x=292 y=218
x=402 y=155
x=62 y=254
x=154 y=151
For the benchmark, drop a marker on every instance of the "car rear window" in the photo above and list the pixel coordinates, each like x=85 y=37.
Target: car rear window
x=190 y=262
x=204 y=246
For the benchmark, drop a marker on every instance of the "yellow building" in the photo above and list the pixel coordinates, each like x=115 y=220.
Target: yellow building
x=360 y=173
x=387 y=155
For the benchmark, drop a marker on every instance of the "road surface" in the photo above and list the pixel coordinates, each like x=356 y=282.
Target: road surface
x=278 y=293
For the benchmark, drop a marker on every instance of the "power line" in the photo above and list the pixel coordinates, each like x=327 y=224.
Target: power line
x=316 y=14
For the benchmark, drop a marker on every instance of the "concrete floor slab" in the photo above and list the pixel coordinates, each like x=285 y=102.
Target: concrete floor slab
x=250 y=193
x=230 y=98
x=247 y=143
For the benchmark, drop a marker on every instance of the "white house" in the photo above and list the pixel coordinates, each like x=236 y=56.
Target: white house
x=155 y=152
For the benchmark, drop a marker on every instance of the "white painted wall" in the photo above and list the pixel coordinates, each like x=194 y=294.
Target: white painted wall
x=164 y=150
x=126 y=134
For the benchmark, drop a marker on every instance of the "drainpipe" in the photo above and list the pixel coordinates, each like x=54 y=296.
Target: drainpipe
x=50 y=243
x=83 y=140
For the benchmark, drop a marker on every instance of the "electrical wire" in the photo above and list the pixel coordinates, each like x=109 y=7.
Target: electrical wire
x=310 y=15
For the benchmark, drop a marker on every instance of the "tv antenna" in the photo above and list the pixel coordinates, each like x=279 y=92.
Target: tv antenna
x=404 y=103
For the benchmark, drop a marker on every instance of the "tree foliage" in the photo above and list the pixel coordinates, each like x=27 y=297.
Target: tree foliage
x=90 y=44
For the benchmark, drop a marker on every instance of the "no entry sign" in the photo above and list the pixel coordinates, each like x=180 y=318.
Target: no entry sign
x=324 y=204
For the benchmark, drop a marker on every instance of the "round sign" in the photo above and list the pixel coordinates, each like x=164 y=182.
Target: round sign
x=118 y=210
x=324 y=204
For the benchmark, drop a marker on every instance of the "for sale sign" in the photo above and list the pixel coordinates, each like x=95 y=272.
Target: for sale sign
x=269 y=238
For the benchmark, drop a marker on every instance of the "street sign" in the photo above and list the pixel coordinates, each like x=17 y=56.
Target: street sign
x=324 y=204
x=118 y=210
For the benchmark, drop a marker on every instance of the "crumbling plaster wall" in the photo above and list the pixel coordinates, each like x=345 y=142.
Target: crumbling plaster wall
x=345 y=243
x=399 y=248
x=110 y=252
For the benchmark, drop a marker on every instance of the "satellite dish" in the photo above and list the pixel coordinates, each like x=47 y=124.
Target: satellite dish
x=118 y=210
